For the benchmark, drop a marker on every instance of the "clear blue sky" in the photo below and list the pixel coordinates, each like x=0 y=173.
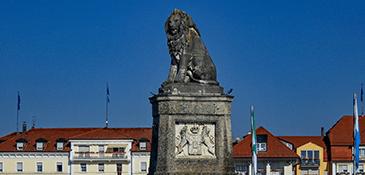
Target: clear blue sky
x=298 y=63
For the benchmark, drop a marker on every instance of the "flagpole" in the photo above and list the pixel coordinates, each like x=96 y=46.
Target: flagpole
x=107 y=102
x=356 y=137
x=17 y=114
x=362 y=100
x=253 y=138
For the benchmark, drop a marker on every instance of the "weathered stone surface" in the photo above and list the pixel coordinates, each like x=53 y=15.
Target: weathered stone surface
x=171 y=113
x=190 y=60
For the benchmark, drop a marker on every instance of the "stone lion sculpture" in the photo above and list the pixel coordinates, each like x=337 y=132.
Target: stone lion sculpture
x=190 y=60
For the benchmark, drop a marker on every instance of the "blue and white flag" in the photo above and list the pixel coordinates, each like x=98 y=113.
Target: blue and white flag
x=356 y=133
x=254 y=142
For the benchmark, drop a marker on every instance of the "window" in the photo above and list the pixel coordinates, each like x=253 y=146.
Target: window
x=261 y=143
x=101 y=167
x=241 y=168
x=101 y=148
x=39 y=145
x=101 y=151
x=84 y=148
x=310 y=157
x=142 y=145
x=261 y=147
x=119 y=168
x=59 y=145
x=20 y=146
x=361 y=168
x=19 y=166
x=1 y=166
x=362 y=151
x=39 y=166
x=143 y=166
x=118 y=149
x=342 y=168
x=83 y=167
x=58 y=166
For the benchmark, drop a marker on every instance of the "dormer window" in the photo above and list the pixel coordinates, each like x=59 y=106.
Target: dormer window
x=143 y=143
x=261 y=143
x=60 y=143
x=40 y=143
x=20 y=144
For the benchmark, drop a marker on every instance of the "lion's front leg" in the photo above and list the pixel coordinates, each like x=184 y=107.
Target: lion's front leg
x=172 y=75
x=183 y=66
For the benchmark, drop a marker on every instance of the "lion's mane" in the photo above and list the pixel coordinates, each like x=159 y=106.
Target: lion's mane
x=176 y=43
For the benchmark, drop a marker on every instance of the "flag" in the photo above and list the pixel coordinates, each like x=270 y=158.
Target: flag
x=356 y=133
x=254 y=144
x=107 y=92
x=18 y=101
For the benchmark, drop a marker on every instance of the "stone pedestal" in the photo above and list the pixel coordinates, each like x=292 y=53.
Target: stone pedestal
x=191 y=131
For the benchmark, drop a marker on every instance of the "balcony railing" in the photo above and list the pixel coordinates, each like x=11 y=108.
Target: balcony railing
x=310 y=162
x=99 y=155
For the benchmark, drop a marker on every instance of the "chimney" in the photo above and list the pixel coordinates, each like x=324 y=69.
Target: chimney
x=24 y=126
x=322 y=131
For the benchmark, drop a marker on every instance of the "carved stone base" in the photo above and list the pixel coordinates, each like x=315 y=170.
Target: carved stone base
x=191 y=134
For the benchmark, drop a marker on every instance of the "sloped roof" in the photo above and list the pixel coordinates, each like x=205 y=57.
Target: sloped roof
x=341 y=153
x=298 y=141
x=104 y=133
x=9 y=136
x=275 y=148
x=342 y=132
x=50 y=134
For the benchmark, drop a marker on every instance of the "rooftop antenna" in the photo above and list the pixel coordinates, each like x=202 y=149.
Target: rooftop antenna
x=33 y=120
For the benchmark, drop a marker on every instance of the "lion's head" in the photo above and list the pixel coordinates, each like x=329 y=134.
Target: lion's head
x=177 y=29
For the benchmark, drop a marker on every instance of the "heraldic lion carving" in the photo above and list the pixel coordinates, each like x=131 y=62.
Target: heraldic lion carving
x=190 y=60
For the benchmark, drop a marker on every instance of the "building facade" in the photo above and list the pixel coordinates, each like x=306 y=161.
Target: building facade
x=76 y=151
x=340 y=142
x=312 y=151
x=273 y=158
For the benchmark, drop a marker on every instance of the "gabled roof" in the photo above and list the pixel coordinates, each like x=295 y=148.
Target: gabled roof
x=298 y=141
x=104 y=133
x=50 y=134
x=342 y=132
x=21 y=140
x=53 y=135
x=275 y=148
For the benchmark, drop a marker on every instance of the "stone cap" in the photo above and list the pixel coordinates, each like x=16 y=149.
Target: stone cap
x=190 y=89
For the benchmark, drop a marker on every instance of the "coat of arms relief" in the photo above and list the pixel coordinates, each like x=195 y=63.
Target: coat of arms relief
x=195 y=140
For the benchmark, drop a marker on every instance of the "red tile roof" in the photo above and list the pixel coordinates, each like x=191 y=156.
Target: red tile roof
x=343 y=153
x=53 y=134
x=342 y=132
x=275 y=148
x=9 y=136
x=298 y=141
x=50 y=134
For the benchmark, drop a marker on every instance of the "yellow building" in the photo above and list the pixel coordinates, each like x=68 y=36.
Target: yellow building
x=75 y=151
x=312 y=151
